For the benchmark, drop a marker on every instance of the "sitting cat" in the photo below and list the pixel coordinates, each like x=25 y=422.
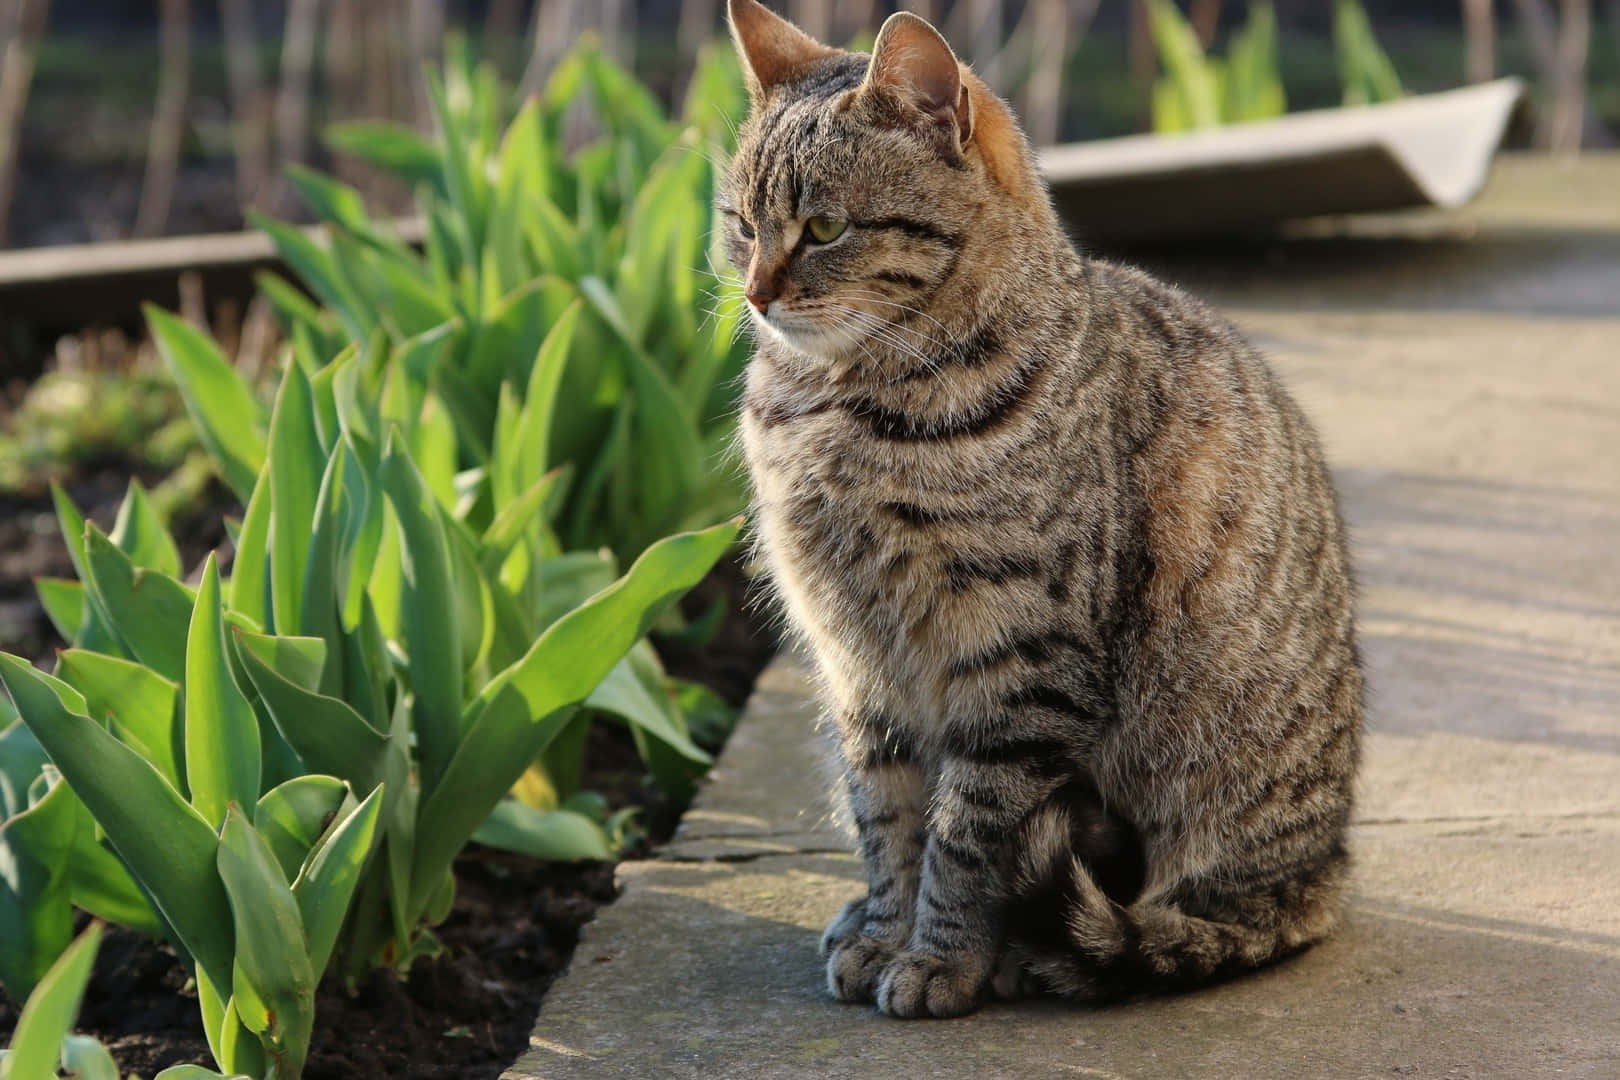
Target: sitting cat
x=1065 y=552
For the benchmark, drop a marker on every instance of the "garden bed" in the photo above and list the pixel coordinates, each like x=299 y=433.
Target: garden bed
x=462 y=1015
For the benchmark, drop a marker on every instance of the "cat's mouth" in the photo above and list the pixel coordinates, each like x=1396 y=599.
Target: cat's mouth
x=805 y=333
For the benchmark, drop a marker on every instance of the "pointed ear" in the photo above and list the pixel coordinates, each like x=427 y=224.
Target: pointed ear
x=912 y=62
x=772 y=50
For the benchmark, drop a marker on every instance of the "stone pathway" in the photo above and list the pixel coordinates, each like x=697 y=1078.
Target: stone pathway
x=1468 y=390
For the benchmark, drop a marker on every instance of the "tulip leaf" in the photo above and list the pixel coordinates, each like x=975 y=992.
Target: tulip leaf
x=223 y=754
x=168 y=846
x=229 y=420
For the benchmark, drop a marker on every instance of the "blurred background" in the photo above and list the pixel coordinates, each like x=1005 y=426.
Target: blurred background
x=139 y=118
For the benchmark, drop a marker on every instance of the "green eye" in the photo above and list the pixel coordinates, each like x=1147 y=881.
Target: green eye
x=824 y=230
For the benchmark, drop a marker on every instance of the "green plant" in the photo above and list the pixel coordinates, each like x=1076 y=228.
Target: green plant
x=43 y=1044
x=551 y=321
x=1365 y=70
x=519 y=233
x=368 y=660
x=1199 y=91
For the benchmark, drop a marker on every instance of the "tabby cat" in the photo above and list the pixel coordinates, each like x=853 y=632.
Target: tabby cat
x=1064 y=550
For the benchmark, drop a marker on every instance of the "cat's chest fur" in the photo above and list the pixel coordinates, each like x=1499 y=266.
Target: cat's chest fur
x=890 y=555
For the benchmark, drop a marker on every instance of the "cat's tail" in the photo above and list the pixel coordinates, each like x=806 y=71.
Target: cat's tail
x=1105 y=950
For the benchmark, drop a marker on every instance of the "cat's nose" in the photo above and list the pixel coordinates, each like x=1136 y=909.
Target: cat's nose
x=763 y=288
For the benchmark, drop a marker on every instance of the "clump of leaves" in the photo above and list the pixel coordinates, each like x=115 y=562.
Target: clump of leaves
x=1199 y=91
x=523 y=225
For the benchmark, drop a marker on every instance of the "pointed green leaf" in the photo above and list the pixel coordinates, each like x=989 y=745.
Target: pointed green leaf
x=167 y=845
x=525 y=705
x=329 y=735
x=554 y=835
x=398 y=149
x=221 y=731
x=229 y=420
x=299 y=660
x=293 y=816
x=49 y=1013
x=297 y=463
x=272 y=956
x=140 y=533
x=250 y=569
x=325 y=886
x=427 y=616
x=149 y=611
x=65 y=604
x=138 y=703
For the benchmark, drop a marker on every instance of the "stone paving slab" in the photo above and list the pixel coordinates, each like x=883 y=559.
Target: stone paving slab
x=1478 y=452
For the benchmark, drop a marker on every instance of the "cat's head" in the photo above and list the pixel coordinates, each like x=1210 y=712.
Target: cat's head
x=860 y=181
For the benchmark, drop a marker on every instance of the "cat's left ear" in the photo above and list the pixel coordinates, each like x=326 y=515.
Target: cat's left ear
x=913 y=66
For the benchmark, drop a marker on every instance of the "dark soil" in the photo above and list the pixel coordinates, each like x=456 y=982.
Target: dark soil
x=464 y=1015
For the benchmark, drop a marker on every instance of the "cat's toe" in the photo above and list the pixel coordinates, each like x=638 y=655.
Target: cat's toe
x=1012 y=979
x=854 y=965
x=918 y=984
x=845 y=925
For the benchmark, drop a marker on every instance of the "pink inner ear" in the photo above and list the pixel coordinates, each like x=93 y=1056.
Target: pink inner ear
x=772 y=49
x=911 y=58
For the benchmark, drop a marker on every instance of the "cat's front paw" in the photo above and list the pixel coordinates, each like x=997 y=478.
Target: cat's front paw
x=918 y=984
x=845 y=926
x=854 y=964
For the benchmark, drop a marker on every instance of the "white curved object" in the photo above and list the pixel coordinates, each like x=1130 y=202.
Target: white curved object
x=1427 y=150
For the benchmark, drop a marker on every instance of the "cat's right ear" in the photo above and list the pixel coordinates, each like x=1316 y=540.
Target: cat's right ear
x=773 y=51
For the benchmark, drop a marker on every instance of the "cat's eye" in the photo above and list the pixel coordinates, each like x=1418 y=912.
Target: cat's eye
x=824 y=230
x=744 y=228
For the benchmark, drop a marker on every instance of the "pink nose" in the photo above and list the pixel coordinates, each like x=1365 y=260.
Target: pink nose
x=762 y=291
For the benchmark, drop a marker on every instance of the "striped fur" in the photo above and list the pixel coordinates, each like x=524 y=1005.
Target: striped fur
x=1065 y=551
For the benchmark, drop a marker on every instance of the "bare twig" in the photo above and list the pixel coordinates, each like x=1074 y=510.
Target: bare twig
x=1559 y=50
x=700 y=20
x=1144 y=59
x=1205 y=17
x=297 y=68
x=168 y=120
x=1479 y=33
x=814 y=18
x=426 y=41
x=1059 y=28
x=27 y=26
x=552 y=29
x=617 y=18
x=250 y=130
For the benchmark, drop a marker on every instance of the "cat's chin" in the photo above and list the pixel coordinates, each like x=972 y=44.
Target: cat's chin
x=819 y=343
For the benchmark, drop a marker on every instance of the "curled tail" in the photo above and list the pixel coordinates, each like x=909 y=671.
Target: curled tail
x=1076 y=936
